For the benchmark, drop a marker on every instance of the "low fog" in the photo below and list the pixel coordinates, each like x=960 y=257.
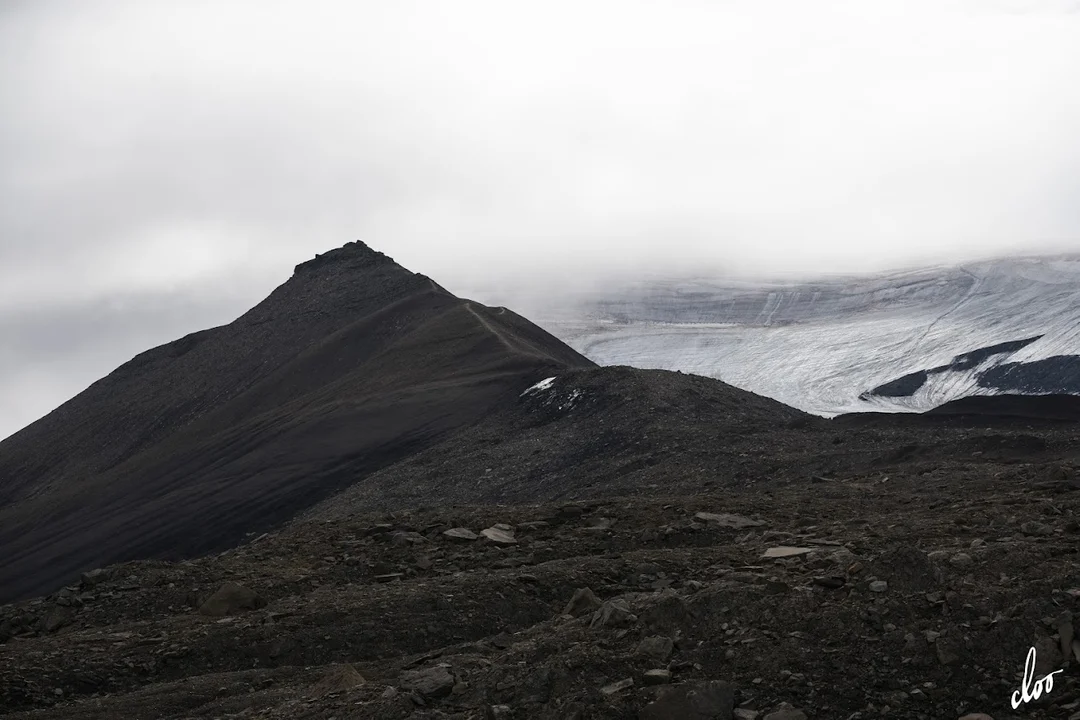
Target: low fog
x=166 y=163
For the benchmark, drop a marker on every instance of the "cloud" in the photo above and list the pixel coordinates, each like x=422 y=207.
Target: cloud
x=162 y=146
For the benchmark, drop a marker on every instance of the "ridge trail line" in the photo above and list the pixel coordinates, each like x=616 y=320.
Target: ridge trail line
x=529 y=349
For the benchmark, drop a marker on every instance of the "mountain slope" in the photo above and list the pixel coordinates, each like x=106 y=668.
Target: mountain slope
x=830 y=346
x=352 y=364
x=596 y=433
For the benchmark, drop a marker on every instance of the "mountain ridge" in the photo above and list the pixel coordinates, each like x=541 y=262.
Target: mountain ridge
x=352 y=363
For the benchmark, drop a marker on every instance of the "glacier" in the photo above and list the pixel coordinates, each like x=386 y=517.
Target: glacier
x=901 y=341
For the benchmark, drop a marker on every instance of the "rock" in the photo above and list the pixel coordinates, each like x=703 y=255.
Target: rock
x=339 y=679
x=939 y=555
x=537 y=687
x=460 y=534
x=405 y=538
x=948 y=650
x=534 y=525
x=430 y=683
x=583 y=601
x=786 y=712
x=499 y=712
x=786 y=552
x=1033 y=527
x=1065 y=631
x=832 y=582
x=667 y=614
x=599 y=524
x=907 y=569
x=502 y=641
x=745 y=714
x=570 y=511
x=713 y=700
x=657 y=677
x=94 y=577
x=976 y=716
x=614 y=613
x=656 y=647
x=58 y=618
x=617 y=687
x=1047 y=658
x=1059 y=478
x=500 y=535
x=879 y=586
x=961 y=560
x=389 y=577
x=727 y=520
x=231 y=598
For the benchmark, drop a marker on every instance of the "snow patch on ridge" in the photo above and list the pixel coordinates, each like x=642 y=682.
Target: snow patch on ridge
x=540 y=386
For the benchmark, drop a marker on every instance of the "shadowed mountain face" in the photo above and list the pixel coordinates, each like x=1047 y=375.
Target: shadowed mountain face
x=351 y=365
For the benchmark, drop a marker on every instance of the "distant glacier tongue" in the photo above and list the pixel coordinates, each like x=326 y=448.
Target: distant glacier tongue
x=898 y=341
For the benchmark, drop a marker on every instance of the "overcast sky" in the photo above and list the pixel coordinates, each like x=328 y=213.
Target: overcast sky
x=164 y=165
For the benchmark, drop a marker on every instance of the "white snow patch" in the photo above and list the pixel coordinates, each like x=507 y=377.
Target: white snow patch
x=540 y=386
x=569 y=403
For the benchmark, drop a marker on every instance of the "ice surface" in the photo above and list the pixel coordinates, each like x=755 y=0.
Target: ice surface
x=820 y=345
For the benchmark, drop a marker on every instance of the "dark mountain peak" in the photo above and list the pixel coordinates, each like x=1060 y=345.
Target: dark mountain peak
x=355 y=254
x=351 y=364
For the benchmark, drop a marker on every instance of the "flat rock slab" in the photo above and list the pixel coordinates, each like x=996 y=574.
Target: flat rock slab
x=460 y=534
x=660 y=676
x=499 y=535
x=786 y=552
x=701 y=701
x=617 y=687
x=786 y=712
x=727 y=520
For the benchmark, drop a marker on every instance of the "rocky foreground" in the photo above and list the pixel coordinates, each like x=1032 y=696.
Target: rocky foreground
x=908 y=593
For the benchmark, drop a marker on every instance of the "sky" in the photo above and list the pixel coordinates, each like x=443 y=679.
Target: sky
x=164 y=165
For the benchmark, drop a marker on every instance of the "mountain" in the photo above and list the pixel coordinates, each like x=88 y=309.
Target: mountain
x=369 y=498
x=897 y=341
x=350 y=365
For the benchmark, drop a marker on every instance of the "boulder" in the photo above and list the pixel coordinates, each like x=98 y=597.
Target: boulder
x=500 y=534
x=584 y=601
x=713 y=700
x=339 y=679
x=429 y=683
x=656 y=647
x=231 y=598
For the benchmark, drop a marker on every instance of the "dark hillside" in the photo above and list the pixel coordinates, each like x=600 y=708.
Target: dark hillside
x=352 y=364
x=598 y=432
